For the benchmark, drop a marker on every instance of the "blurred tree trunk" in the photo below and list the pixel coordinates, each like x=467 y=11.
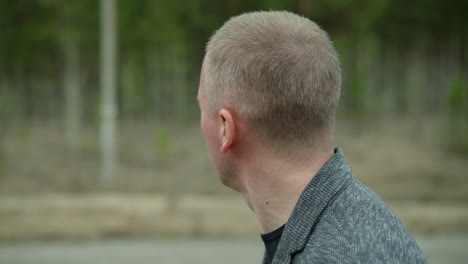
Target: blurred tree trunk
x=304 y=7
x=155 y=83
x=180 y=86
x=233 y=6
x=4 y=118
x=108 y=92
x=133 y=101
x=72 y=96
x=19 y=84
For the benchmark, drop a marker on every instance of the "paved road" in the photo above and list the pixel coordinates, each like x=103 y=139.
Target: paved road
x=440 y=249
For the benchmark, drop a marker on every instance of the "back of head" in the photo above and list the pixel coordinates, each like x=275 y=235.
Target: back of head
x=280 y=72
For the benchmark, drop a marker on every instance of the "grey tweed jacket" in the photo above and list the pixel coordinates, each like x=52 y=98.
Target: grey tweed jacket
x=339 y=220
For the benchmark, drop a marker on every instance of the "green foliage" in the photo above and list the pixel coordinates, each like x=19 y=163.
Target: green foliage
x=3 y=159
x=6 y=101
x=132 y=86
x=457 y=117
x=33 y=30
x=161 y=47
x=349 y=15
x=161 y=143
x=458 y=97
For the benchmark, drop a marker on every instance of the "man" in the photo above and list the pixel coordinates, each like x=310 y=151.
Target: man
x=269 y=88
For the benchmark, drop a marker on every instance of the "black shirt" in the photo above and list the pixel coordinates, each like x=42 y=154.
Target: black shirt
x=271 y=241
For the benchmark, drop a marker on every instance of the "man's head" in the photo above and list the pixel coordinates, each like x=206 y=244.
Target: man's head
x=277 y=73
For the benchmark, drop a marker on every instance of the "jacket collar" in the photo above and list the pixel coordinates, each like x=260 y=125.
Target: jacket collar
x=334 y=176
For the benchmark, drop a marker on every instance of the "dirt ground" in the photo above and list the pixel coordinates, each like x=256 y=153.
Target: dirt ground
x=166 y=185
x=396 y=159
x=116 y=215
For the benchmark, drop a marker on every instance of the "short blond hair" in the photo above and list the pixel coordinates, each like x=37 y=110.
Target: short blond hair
x=279 y=71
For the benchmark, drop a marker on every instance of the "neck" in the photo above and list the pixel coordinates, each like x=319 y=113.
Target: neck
x=273 y=186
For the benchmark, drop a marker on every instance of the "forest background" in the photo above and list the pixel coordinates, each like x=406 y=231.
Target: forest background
x=402 y=119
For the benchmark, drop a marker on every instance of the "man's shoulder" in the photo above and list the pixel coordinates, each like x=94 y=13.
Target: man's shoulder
x=359 y=227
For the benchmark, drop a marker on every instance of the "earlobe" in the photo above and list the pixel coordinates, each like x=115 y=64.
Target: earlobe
x=228 y=130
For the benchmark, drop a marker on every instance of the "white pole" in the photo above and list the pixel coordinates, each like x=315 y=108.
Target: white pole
x=108 y=87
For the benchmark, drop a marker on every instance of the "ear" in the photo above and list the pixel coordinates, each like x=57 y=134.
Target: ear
x=228 y=129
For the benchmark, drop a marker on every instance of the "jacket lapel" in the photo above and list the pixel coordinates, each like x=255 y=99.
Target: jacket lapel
x=333 y=177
